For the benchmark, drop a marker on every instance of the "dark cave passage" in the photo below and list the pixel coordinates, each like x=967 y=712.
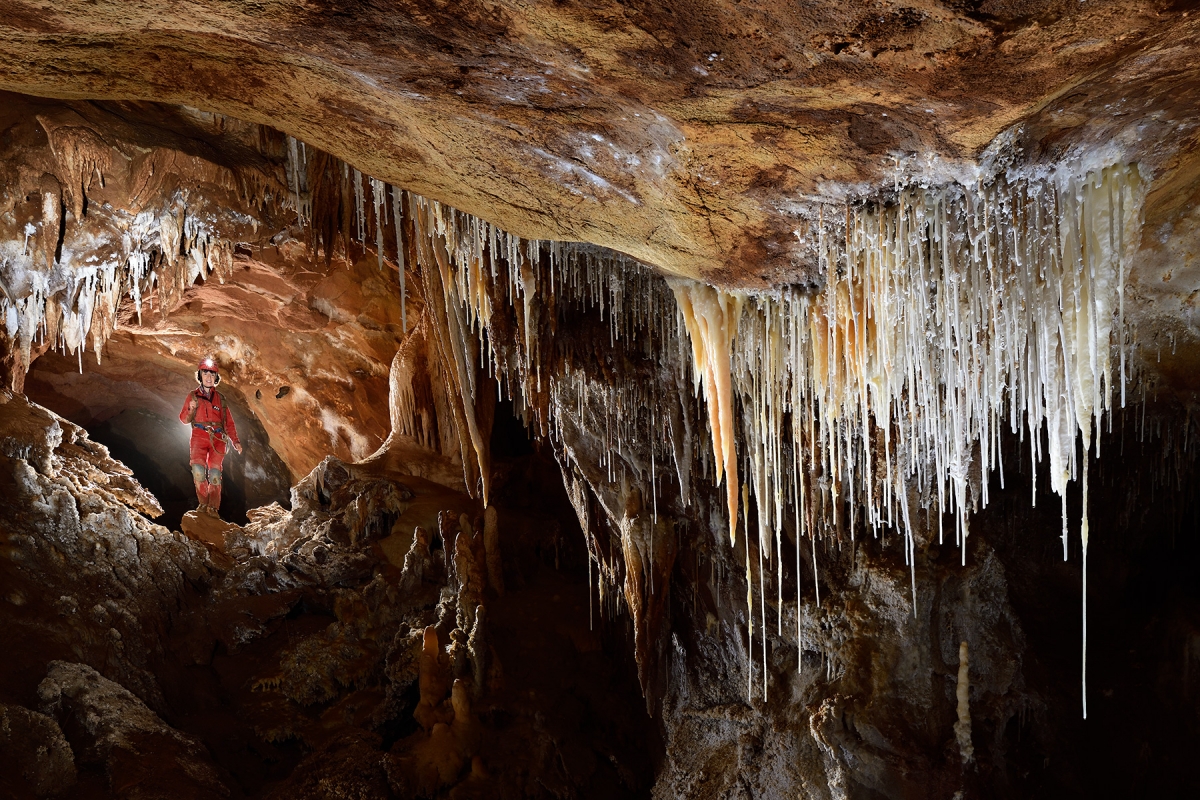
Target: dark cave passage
x=136 y=423
x=1143 y=619
x=151 y=447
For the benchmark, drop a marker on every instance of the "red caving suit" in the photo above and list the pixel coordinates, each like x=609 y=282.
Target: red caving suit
x=208 y=445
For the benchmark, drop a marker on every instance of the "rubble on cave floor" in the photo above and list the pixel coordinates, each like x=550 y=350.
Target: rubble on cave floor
x=355 y=645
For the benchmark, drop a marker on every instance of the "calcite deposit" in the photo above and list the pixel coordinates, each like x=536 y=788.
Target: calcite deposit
x=709 y=399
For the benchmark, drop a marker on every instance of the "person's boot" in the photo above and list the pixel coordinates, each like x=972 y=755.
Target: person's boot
x=202 y=495
x=214 y=499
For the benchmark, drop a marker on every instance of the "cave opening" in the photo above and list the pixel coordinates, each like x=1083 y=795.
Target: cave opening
x=510 y=437
x=131 y=414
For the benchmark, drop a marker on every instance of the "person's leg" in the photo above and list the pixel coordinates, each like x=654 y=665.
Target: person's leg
x=214 y=489
x=216 y=457
x=203 y=489
x=199 y=449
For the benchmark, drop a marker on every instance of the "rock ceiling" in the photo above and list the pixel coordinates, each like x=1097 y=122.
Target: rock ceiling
x=687 y=134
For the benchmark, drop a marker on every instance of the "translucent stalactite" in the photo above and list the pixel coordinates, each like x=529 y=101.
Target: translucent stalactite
x=711 y=317
x=379 y=216
x=401 y=255
x=298 y=181
x=356 y=184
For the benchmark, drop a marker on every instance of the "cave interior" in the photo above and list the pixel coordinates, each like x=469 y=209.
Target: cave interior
x=702 y=399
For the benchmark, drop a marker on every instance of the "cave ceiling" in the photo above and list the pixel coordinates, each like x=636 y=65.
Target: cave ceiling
x=696 y=137
x=689 y=135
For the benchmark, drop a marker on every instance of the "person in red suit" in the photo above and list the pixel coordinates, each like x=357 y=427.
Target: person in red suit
x=212 y=431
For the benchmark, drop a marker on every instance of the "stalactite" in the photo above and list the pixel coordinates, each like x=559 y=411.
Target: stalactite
x=712 y=318
x=401 y=260
x=163 y=247
x=944 y=315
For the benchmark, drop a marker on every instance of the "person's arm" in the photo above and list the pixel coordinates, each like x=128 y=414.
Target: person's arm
x=230 y=429
x=188 y=415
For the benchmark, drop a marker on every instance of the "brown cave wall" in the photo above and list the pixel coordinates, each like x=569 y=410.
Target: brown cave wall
x=683 y=134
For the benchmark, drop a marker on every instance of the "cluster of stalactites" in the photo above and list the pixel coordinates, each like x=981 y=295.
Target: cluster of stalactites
x=944 y=316
x=162 y=251
x=370 y=207
x=62 y=284
x=64 y=302
x=467 y=264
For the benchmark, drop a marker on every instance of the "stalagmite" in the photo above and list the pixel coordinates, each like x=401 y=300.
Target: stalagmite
x=432 y=680
x=469 y=573
x=962 y=728
x=491 y=544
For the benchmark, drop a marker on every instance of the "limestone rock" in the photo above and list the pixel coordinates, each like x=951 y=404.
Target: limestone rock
x=141 y=756
x=208 y=529
x=38 y=760
x=657 y=159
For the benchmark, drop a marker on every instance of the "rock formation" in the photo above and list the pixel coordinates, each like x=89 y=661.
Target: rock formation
x=839 y=361
x=292 y=635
